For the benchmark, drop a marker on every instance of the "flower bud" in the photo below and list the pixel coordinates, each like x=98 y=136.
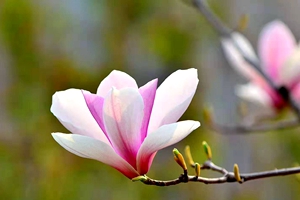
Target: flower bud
x=197 y=169
x=179 y=159
x=189 y=155
x=207 y=150
x=237 y=173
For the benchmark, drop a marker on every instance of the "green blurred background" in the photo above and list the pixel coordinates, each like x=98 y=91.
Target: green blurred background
x=52 y=45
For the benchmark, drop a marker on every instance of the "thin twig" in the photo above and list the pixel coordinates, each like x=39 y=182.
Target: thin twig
x=280 y=125
x=226 y=176
x=216 y=23
x=225 y=31
x=211 y=166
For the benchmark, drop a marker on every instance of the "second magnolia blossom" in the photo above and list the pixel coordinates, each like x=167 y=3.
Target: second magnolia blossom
x=123 y=125
x=279 y=54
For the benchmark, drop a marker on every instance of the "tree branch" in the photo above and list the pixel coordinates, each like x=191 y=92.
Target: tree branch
x=280 y=125
x=227 y=177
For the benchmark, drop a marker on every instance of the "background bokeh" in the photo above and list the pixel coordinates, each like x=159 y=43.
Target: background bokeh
x=52 y=45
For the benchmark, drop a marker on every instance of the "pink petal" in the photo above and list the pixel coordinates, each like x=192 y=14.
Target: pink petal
x=296 y=92
x=115 y=79
x=173 y=97
x=148 y=92
x=95 y=105
x=123 y=116
x=70 y=108
x=276 y=43
x=163 y=137
x=87 y=147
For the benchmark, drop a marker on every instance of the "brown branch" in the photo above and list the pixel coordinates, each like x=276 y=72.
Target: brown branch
x=209 y=165
x=280 y=125
x=225 y=31
x=226 y=176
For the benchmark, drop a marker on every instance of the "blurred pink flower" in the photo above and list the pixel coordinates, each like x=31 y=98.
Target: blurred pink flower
x=280 y=58
x=122 y=125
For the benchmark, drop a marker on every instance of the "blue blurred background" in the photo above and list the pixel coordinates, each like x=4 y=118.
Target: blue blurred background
x=51 y=45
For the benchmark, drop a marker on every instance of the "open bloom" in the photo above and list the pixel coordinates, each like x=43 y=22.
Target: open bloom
x=123 y=125
x=280 y=58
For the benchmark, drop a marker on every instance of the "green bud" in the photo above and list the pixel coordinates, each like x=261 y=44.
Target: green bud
x=188 y=155
x=197 y=169
x=207 y=115
x=237 y=173
x=176 y=152
x=179 y=159
x=243 y=23
x=207 y=150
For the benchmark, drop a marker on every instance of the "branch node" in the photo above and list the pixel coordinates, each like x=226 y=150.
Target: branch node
x=184 y=178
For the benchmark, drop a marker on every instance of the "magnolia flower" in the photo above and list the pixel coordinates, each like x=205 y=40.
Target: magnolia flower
x=122 y=125
x=280 y=59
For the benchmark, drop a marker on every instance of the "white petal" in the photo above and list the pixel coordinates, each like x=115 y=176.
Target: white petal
x=163 y=137
x=235 y=58
x=70 y=108
x=115 y=79
x=123 y=115
x=87 y=147
x=254 y=94
x=173 y=97
x=244 y=45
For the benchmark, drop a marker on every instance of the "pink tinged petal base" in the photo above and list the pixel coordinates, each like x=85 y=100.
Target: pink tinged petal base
x=115 y=79
x=123 y=116
x=70 y=108
x=95 y=105
x=173 y=97
x=275 y=45
x=164 y=136
x=147 y=92
x=87 y=147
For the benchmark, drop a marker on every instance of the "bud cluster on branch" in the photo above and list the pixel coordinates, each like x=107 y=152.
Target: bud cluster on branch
x=226 y=176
